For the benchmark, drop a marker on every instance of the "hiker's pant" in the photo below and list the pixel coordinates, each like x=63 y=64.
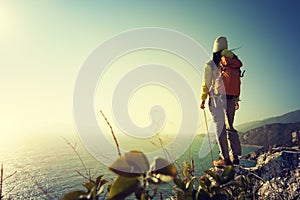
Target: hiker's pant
x=223 y=111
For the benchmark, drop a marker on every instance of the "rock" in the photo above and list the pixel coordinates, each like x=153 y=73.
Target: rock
x=296 y=138
x=276 y=172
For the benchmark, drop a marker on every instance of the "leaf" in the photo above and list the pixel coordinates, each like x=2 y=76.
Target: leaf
x=202 y=195
x=103 y=182
x=88 y=186
x=164 y=178
x=143 y=197
x=152 y=180
x=122 y=187
x=179 y=183
x=92 y=193
x=138 y=161
x=228 y=170
x=185 y=172
x=121 y=167
x=186 y=165
x=202 y=185
x=190 y=185
x=132 y=164
x=98 y=179
x=100 y=190
x=213 y=175
x=164 y=167
x=228 y=174
x=74 y=195
x=204 y=180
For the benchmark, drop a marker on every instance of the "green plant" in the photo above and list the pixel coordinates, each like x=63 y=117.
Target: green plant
x=204 y=187
x=217 y=187
x=215 y=184
x=136 y=176
x=186 y=182
x=242 y=187
x=95 y=189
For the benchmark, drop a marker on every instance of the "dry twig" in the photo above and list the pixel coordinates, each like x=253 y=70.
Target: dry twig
x=112 y=132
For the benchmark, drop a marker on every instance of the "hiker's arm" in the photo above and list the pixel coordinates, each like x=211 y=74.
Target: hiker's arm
x=236 y=106
x=207 y=81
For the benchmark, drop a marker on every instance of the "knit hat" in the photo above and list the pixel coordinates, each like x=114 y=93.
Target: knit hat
x=220 y=44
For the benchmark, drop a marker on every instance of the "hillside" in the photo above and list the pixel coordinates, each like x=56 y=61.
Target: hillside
x=290 y=117
x=277 y=134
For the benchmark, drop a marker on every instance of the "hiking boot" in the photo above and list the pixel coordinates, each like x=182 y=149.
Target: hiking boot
x=222 y=163
x=235 y=160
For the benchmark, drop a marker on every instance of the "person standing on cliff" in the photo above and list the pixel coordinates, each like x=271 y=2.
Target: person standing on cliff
x=221 y=84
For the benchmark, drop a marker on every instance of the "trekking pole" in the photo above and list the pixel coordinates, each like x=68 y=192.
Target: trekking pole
x=208 y=136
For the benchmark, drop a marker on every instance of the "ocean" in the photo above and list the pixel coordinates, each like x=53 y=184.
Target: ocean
x=46 y=167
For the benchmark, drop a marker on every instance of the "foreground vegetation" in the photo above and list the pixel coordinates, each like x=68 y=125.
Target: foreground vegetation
x=135 y=177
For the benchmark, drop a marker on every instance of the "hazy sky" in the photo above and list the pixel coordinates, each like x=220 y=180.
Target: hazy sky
x=44 y=43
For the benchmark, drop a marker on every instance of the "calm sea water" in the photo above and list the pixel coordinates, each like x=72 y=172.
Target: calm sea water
x=46 y=167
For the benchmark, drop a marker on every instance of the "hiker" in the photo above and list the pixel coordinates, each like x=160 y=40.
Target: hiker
x=221 y=84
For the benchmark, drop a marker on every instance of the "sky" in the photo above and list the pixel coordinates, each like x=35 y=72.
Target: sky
x=43 y=45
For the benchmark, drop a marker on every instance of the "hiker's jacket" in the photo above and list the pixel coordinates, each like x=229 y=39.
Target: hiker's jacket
x=211 y=73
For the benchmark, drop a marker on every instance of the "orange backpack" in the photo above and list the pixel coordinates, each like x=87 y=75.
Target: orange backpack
x=228 y=80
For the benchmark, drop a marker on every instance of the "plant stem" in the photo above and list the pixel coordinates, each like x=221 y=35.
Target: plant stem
x=85 y=168
x=112 y=132
x=1 y=181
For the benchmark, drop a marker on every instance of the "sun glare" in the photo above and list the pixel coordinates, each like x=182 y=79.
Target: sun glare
x=7 y=21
